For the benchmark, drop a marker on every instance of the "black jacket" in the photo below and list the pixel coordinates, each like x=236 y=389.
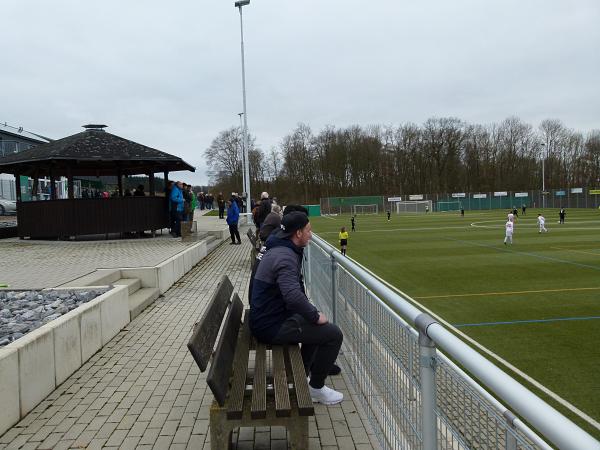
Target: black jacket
x=278 y=290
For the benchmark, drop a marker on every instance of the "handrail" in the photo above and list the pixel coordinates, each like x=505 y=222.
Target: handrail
x=552 y=424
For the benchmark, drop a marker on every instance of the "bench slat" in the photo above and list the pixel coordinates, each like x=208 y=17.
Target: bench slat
x=205 y=332
x=280 y=384
x=220 y=369
x=235 y=404
x=305 y=404
x=258 y=410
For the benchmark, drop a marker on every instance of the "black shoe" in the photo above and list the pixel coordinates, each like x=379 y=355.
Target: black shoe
x=335 y=370
x=238 y=243
x=232 y=243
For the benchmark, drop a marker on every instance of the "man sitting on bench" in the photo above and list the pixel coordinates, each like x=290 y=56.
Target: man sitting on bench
x=280 y=312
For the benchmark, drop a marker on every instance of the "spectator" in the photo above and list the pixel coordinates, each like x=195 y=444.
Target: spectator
x=233 y=215
x=221 y=204
x=139 y=191
x=271 y=222
x=177 y=205
x=264 y=208
x=280 y=312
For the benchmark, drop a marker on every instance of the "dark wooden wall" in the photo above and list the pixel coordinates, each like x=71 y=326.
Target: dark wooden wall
x=76 y=217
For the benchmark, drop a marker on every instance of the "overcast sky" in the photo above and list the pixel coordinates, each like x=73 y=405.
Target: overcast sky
x=168 y=74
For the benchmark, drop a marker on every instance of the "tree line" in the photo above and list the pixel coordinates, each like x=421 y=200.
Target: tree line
x=440 y=156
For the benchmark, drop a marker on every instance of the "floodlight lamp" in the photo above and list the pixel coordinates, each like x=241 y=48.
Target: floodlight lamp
x=241 y=3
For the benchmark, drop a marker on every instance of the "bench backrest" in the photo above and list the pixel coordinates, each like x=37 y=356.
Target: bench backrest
x=252 y=236
x=202 y=342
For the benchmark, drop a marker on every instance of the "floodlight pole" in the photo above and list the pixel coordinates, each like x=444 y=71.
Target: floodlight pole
x=543 y=176
x=245 y=147
x=243 y=153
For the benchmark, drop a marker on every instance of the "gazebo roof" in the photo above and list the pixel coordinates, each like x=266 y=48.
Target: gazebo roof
x=92 y=152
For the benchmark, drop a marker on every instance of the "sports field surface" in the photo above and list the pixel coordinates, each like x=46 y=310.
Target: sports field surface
x=534 y=304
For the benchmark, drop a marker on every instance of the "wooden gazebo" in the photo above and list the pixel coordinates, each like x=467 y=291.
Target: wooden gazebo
x=93 y=152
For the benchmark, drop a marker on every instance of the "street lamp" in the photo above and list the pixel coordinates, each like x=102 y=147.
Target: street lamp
x=245 y=146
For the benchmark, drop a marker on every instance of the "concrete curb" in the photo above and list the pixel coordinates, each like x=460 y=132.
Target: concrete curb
x=33 y=366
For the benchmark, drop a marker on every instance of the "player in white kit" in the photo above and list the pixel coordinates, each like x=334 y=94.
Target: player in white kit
x=511 y=216
x=509 y=232
x=542 y=224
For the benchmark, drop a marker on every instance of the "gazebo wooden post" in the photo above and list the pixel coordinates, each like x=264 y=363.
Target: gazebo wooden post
x=70 y=187
x=166 y=175
x=18 y=196
x=120 y=182
x=36 y=187
x=18 y=188
x=151 y=185
x=52 y=186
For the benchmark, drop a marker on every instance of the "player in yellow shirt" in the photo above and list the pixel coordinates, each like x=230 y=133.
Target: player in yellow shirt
x=343 y=240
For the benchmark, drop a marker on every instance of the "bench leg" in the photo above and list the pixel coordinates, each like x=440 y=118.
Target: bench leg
x=299 y=433
x=220 y=431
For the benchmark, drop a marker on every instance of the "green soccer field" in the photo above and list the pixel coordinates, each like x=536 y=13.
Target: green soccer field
x=535 y=304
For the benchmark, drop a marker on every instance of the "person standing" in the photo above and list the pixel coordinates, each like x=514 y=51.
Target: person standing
x=233 y=215
x=561 y=215
x=510 y=216
x=271 y=222
x=177 y=201
x=352 y=221
x=542 y=223
x=343 y=240
x=388 y=214
x=523 y=208
x=280 y=312
x=221 y=204
x=462 y=211
x=508 y=234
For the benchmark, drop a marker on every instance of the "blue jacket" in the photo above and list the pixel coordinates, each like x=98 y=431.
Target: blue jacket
x=233 y=214
x=177 y=197
x=278 y=291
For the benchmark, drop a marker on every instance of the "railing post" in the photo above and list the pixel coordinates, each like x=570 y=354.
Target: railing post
x=511 y=440
x=334 y=289
x=428 y=387
x=307 y=267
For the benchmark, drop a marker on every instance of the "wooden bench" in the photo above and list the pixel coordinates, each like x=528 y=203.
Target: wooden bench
x=253 y=384
x=254 y=241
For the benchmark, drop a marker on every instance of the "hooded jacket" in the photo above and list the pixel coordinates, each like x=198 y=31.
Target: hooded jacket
x=278 y=290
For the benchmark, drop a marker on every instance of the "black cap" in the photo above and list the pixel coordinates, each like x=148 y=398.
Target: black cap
x=291 y=208
x=292 y=222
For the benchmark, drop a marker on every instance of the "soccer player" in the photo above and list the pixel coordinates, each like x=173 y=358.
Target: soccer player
x=352 y=219
x=508 y=226
x=542 y=224
x=515 y=211
x=462 y=212
x=523 y=208
x=388 y=214
x=427 y=209
x=343 y=240
x=561 y=215
x=511 y=216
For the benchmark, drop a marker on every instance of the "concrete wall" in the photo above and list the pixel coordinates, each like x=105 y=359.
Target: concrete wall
x=34 y=365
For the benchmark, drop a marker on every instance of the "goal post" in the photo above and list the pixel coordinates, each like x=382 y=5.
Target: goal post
x=413 y=206
x=365 y=209
x=448 y=206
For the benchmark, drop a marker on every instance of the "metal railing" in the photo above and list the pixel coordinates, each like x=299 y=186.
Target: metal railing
x=414 y=395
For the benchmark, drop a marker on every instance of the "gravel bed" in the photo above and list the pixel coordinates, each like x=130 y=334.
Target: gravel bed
x=24 y=311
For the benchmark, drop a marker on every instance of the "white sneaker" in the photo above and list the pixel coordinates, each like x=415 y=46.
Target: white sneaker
x=325 y=395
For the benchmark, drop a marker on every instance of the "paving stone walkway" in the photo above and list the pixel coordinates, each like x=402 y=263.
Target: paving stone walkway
x=143 y=390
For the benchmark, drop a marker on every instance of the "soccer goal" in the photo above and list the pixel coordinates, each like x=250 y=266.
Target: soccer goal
x=448 y=206
x=413 y=206
x=365 y=209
